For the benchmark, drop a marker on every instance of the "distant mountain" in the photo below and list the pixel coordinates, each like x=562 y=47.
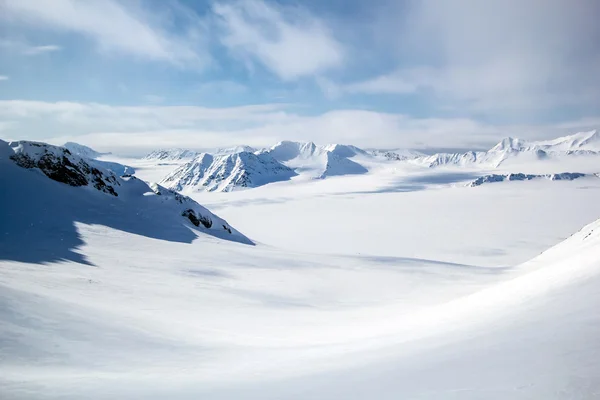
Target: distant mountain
x=238 y=167
x=175 y=154
x=81 y=150
x=583 y=143
x=233 y=150
x=319 y=161
x=134 y=200
x=396 y=154
x=227 y=172
x=178 y=154
x=228 y=169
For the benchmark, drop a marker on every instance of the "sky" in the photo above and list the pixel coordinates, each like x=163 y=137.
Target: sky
x=135 y=75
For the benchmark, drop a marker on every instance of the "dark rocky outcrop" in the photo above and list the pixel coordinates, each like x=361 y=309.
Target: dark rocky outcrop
x=198 y=219
x=564 y=176
x=60 y=165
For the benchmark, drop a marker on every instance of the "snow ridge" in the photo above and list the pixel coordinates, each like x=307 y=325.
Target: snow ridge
x=58 y=164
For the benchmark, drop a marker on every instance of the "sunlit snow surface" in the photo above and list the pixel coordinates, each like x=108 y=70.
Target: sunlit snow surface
x=402 y=283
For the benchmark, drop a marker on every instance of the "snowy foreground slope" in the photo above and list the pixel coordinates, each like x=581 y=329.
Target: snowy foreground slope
x=105 y=296
x=155 y=319
x=46 y=190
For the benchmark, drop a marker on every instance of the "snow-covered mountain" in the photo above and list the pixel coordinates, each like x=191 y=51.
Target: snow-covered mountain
x=174 y=154
x=319 y=161
x=179 y=154
x=233 y=150
x=27 y=164
x=578 y=144
x=242 y=167
x=227 y=172
x=82 y=150
x=582 y=141
x=396 y=154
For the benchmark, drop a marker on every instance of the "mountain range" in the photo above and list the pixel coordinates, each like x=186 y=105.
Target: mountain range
x=244 y=167
x=582 y=143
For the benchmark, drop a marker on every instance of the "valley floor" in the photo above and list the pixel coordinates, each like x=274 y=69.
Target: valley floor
x=393 y=285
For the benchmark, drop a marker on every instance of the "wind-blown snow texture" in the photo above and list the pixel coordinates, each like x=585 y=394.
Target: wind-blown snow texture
x=391 y=284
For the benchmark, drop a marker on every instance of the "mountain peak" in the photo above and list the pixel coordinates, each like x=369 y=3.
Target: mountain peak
x=227 y=172
x=509 y=144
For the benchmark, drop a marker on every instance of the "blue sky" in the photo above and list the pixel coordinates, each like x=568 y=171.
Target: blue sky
x=134 y=75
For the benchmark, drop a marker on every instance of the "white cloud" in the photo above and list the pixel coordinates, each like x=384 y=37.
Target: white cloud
x=35 y=50
x=3 y=78
x=24 y=48
x=135 y=130
x=288 y=41
x=498 y=55
x=113 y=26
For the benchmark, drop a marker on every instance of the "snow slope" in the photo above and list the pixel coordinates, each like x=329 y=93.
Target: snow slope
x=227 y=172
x=212 y=319
x=387 y=285
x=47 y=190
